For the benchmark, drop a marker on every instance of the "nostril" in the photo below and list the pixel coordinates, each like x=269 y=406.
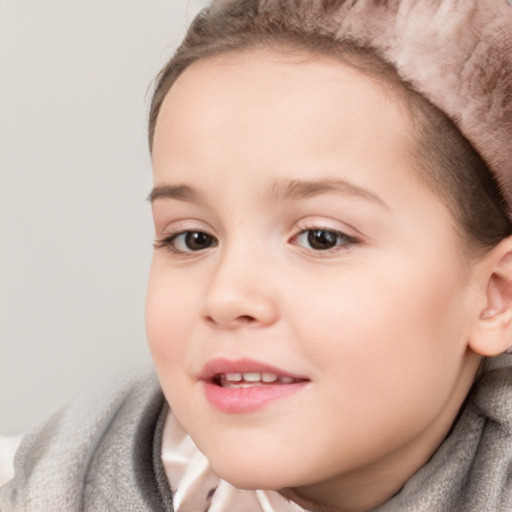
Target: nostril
x=242 y=319
x=210 y=320
x=246 y=319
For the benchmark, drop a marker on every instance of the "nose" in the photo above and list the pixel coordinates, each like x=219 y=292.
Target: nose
x=240 y=293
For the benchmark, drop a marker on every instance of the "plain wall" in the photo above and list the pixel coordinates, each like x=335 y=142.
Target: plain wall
x=75 y=228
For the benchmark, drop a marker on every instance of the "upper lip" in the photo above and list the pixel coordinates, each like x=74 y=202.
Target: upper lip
x=219 y=366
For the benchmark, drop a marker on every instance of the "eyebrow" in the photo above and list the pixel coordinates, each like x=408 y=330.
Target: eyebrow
x=279 y=191
x=299 y=189
x=180 y=192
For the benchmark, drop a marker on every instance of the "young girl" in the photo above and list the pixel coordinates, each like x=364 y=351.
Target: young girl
x=331 y=287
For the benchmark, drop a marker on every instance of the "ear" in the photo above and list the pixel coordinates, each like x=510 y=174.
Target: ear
x=493 y=331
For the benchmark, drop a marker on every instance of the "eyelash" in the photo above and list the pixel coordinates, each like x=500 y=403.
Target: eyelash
x=343 y=241
x=169 y=240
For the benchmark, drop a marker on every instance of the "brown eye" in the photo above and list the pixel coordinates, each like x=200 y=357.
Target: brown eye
x=187 y=242
x=323 y=239
x=195 y=240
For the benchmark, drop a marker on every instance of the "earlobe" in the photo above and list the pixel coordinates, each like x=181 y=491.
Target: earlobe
x=493 y=332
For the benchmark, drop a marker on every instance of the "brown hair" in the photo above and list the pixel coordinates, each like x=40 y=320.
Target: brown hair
x=446 y=159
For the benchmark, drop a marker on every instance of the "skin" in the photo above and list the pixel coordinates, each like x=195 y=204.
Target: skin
x=381 y=325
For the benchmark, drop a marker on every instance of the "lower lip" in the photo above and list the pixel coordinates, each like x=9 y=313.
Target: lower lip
x=249 y=399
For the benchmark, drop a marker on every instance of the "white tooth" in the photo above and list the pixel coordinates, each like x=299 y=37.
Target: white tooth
x=251 y=376
x=236 y=385
x=234 y=377
x=268 y=377
x=286 y=380
x=241 y=384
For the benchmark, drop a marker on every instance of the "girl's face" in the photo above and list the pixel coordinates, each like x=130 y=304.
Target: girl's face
x=296 y=240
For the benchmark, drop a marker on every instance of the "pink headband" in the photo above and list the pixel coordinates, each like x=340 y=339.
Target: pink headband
x=457 y=53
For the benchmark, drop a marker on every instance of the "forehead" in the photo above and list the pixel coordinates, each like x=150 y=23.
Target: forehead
x=279 y=115
x=261 y=87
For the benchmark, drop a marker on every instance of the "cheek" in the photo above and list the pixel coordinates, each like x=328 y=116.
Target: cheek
x=385 y=330
x=168 y=316
x=386 y=355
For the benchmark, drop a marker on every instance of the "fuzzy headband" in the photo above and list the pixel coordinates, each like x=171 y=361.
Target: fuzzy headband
x=457 y=53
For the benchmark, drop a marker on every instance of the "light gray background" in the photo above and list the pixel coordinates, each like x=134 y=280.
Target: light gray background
x=75 y=229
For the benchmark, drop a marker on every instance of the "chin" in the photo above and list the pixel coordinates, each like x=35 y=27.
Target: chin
x=243 y=475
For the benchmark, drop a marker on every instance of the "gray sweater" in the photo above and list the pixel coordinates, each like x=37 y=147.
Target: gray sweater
x=102 y=453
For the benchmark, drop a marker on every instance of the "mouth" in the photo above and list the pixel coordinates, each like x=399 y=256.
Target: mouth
x=244 y=386
x=251 y=379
